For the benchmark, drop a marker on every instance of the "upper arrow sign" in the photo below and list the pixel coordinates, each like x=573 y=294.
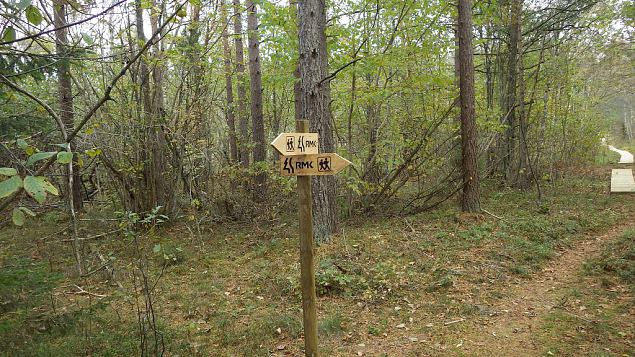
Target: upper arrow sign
x=289 y=144
x=317 y=164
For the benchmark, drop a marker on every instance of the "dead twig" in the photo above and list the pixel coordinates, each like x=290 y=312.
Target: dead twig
x=448 y=323
x=82 y=292
x=495 y=216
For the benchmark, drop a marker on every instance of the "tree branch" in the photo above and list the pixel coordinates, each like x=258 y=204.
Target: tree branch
x=62 y=27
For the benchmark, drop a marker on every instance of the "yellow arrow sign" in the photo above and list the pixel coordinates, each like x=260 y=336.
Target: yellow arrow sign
x=309 y=165
x=296 y=143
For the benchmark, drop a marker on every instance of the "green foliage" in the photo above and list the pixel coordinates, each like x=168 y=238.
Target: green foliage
x=39 y=156
x=33 y=15
x=9 y=186
x=18 y=217
x=8 y=34
x=8 y=171
x=330 y=279
x=37 y=187
x=169 y=253
x=64 y=157
x=617 y=260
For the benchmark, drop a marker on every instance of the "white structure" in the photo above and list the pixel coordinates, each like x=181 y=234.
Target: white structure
x=625 y=156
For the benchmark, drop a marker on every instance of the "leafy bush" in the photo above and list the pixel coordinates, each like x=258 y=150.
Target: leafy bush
x=331 y=279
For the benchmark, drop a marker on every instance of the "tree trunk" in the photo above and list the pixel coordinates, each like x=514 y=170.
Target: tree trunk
x=163 y=196
x=65 y=97
x=470 y=200
x=511 y=137
x=143 y=203
x=229 y=91
x=257 y=120
x=315 y=100
x=523 y=125
x=243 y=121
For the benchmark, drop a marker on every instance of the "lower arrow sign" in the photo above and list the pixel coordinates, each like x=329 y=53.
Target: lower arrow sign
x=312 y=165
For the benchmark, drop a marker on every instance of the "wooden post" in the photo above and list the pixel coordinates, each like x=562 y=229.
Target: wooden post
x=307 y=270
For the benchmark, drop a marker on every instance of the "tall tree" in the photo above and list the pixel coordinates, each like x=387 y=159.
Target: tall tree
x=470 y=200
x=157 y=139
x=65 y=97
x=511 y=100
x=229 y=91
x=315 y=100
x=257 y=120
x=243 y=121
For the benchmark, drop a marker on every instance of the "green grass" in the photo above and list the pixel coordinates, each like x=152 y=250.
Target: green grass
x=602 y=296
x=616 y=264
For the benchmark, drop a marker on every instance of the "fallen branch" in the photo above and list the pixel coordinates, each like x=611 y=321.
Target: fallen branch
x=82 y=292
x=495 y=216
x=453 y=322
x=93 y=237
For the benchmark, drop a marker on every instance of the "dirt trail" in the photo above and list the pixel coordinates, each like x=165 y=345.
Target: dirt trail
x=516 y=318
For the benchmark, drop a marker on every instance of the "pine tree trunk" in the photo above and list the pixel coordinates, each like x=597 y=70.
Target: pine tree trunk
x=315 y=100
x=470 y=200
x=257 y=120
x=65 y=97
x=243 y=121
x=511 y=100
x=229 y=91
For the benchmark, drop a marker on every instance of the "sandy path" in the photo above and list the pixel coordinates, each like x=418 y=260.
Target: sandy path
x=516 y=318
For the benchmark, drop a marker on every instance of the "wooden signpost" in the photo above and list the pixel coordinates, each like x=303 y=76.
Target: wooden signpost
x=312 y=165
x=296 y=143
x=300 y=158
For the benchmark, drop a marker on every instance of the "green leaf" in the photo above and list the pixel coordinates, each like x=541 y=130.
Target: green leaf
x=146 y=4
x=156 y=248
x=27 y=211
x=35 y=188
x=39 y=156
x=8 y=171
x=8 y=34
x=33 y=15
x=48 y=187
x=22 y=144
x=18 y=217
x=181 y=13
x=64 y=157
x=93 y=152
x=64 y=146
x=8 y=187
x=89 y=40
x=195 y=2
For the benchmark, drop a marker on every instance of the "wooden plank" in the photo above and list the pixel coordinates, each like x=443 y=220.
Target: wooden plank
x=307 y=268
x=289 y=144
x=315 y=165
x=622 y=180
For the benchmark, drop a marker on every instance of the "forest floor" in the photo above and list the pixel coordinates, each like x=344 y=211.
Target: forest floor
x=558 y=279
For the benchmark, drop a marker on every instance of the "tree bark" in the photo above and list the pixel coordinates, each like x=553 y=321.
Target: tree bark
x=470 y=200
x=65 y=97
x=229 y=91
x=162 y=196
x=255 y=83
x=243 y=121
x=315 y=99
x=511 y=135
